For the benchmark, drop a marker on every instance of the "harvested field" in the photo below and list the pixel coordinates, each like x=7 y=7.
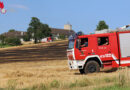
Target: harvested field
x=31 y=65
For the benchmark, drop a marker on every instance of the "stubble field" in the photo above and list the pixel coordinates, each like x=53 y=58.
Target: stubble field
x=46 y=64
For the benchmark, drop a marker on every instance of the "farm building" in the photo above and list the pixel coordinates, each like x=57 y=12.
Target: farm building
x=57 y=32
x=18 y=34
x=67 y=31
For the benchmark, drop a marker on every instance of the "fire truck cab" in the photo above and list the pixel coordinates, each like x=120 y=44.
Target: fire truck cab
x=89 y=53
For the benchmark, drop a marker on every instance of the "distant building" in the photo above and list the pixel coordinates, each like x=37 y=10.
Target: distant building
x=67 y=31
x=68 y=27
x=57 y=32
x=18 y=34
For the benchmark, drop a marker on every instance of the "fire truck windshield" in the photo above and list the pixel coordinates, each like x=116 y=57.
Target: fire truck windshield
x=71 y=41
x=71 y=45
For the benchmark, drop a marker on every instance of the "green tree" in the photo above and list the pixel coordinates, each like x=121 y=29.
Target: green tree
x=2 y=39
x=13 y=41
x=102 y=25
x=62 y=37
x=38 y=30
x=26 y=37
x=11 y=30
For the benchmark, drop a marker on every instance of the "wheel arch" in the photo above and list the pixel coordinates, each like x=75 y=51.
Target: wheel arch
x=95 y=58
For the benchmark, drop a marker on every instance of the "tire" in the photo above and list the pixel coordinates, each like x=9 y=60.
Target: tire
x=81 y=71
x=91 y=67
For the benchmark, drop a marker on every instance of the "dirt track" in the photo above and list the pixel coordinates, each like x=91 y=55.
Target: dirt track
x=40 y=52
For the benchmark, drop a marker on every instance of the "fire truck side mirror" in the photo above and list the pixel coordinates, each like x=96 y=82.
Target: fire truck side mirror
x=78 y=44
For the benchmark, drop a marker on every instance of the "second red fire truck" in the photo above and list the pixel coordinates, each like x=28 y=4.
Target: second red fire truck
x=89 y=53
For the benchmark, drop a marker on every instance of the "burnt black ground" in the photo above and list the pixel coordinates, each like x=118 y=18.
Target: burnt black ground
x=40 y=52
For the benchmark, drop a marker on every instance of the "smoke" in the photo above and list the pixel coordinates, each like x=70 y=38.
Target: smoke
x=18 y=6
x=15 y=7
x=12 y=10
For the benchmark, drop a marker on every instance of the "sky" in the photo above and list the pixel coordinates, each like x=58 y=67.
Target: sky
x=83 y=15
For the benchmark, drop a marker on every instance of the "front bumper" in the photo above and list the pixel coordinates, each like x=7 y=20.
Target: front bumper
x=75 y=64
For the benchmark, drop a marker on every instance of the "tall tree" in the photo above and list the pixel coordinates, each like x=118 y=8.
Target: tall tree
x=2 y=39
x=102 y=25
x=38 y=30
x=33 y=27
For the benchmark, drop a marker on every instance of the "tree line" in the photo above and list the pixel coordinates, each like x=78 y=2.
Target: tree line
x=37 y=30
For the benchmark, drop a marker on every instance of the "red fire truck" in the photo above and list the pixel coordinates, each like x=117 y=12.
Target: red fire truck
x=89 y=53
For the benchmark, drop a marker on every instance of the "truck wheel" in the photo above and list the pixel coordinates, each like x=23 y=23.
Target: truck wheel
x=91 y=67
x=81 y=71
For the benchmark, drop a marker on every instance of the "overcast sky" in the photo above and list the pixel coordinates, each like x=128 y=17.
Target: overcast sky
x=82 y=14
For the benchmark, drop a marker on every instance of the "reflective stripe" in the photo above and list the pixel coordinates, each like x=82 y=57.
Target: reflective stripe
x=125 y=62
x=122 y=62
x=114 y=57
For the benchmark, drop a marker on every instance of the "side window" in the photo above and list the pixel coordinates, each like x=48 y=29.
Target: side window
x=103 y=41
x=84 y=42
